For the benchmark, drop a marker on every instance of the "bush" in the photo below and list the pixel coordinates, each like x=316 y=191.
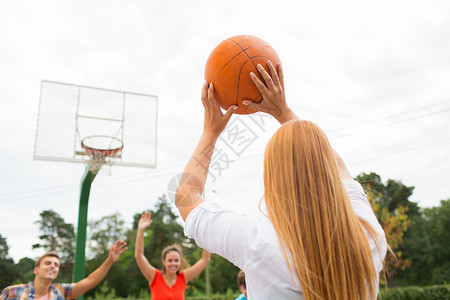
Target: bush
x=440 y=292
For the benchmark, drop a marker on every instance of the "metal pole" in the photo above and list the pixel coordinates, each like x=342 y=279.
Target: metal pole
x=79 y=266
x=207 y=281
x=206 y=271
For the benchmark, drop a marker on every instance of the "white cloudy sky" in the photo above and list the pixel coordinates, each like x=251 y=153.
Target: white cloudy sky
x=373 y=75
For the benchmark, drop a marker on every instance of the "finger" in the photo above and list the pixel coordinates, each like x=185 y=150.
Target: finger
x=280 y=75
x=253 y=105
x=261 y=87
x=265 y=76
x=211 y=99
x=211 y=104
x=230 y=112
x=273 y=73
x=204 y=92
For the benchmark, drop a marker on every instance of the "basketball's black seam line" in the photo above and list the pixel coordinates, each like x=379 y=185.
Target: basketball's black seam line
x=217 y=53
x=239 y=81
x=244 y=50
x=249 y=58
x=268 y=58
x=230 y=60
x=223 y=67
x=239 y=75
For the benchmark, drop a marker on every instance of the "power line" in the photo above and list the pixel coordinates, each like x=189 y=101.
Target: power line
x=397 y=115
x=41 y=192
x=405 y=149
x=392 y=119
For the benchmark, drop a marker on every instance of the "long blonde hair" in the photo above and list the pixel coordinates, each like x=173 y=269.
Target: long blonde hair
x=312 y=216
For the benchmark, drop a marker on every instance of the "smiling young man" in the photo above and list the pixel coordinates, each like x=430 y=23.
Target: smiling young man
x=46 y=270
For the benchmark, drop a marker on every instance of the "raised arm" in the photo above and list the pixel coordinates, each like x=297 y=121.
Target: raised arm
x=146 y=268
x=343 y=171
x=97 y=276
x=274 y=103
x=274 y=99
x=192 y=182
x=198 y=267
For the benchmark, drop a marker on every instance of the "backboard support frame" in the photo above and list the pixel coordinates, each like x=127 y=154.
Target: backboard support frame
x=80 y=151
x=80 y=156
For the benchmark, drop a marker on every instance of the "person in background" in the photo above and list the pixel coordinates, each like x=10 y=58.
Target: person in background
x=46 y=270
x=170 y=282
x=242 y=286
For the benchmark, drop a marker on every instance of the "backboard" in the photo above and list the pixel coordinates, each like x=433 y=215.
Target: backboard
x=70 y=113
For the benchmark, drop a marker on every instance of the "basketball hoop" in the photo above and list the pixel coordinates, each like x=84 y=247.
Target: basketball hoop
x=103 y=150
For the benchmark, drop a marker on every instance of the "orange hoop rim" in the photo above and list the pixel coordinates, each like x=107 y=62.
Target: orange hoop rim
x=115 y=145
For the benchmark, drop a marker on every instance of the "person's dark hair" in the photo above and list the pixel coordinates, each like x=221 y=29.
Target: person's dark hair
x=51 y=254
x=241 y=279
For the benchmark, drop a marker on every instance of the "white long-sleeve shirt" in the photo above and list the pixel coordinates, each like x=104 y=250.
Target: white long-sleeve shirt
x=253 y=246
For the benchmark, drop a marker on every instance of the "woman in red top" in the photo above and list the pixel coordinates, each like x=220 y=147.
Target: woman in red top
x=170 y=283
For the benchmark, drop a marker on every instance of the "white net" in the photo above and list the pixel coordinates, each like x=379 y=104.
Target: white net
x=98 y=163
x=103 y=152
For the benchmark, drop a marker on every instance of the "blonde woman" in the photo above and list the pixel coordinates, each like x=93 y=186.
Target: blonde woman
x=170 y=282
x=320 y=238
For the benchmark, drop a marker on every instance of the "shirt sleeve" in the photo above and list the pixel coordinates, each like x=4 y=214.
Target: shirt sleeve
x=360 y=204
x=363 y=210
x=65 y=289
x=221 y=231
x=4 y=294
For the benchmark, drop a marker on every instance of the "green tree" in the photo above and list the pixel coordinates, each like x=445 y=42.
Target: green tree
x=59 y=236
x=104 y=233
x=417 y=248
x=56 y=235
x=438 y=219
x=397 y=194
x=393 y=208
x=25 y=267
x=391 y=195
x=426 y=244
x=8 y=274
x=8 y=271
x=223 y=275
x=4 y=249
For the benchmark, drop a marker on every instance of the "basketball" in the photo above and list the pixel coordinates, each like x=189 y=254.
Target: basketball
x=229 y=65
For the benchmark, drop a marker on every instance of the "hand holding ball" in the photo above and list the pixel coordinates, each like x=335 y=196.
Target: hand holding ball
x=228 y=68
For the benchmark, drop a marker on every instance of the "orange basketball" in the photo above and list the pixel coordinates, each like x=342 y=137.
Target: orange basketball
x=229 y=65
